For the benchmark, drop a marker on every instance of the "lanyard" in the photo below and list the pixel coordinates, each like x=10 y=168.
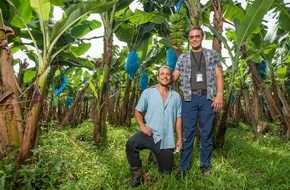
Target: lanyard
x=198 y=63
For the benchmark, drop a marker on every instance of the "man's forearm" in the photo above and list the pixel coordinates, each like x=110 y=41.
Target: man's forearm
x=139 y=119
x=175 y=75
x=179 y=128
x=220 y=82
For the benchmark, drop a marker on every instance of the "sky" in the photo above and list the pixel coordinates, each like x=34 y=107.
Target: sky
x=97 y=44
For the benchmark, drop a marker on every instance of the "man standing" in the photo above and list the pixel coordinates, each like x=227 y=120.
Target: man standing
x=158 y=114
x=202 y=84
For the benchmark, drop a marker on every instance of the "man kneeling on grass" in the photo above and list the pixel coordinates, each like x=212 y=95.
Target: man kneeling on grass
x=161 y=107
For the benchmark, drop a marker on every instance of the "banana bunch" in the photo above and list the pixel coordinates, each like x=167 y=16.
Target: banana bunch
x=178 y=28
x=132 y=64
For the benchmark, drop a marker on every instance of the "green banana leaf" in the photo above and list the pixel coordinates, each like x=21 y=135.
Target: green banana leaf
x=23 y=15
x=252 y=19
x=74 y=13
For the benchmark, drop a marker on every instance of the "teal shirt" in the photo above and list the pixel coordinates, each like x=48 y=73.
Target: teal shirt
x=159 y=117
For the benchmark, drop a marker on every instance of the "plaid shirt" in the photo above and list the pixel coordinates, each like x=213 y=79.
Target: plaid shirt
x=183 y=64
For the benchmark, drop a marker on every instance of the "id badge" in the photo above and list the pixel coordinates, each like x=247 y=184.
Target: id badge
x=199 y=77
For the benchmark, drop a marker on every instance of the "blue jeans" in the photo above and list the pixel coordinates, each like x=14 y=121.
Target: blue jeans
x=198 y=109
x=140 y=141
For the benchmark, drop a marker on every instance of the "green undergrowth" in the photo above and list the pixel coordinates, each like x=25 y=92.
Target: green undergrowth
x=69 y=160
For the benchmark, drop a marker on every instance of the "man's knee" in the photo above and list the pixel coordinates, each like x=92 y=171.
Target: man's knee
x=130 y=144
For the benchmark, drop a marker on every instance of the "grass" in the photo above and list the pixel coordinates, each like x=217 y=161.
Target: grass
x=68 y=159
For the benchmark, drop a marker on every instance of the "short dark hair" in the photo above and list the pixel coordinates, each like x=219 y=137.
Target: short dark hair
x=197 y=28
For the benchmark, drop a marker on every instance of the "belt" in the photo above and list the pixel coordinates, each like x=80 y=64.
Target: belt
x=199 y=92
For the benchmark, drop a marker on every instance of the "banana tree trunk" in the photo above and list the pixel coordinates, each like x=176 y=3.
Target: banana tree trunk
x=112 y=109
x=218 y=24
x=216 y=44
x=72 y=110
x=286 y=112
x=31 y=132
x=238 y=112
x=131 y=103
x=250 y=115
x=114 y=105
x=221 y=131
x=125 y=109
x=276 y=112
x=11 y=131
x=100 y=130
x=258 y=102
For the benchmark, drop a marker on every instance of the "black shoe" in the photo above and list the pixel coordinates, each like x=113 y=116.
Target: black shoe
x=179 y=174
x=136 y=177
x=205 y=171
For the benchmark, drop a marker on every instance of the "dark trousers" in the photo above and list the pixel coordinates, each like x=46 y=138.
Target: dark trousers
x=140 y=141
x=198 y=109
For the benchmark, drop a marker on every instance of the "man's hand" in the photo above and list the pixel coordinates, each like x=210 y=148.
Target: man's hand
x=179 y=144
x=140 y=120
x=146 y=130
x=217 y=104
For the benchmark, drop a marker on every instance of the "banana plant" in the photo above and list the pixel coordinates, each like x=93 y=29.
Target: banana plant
x=244 y=28
x=128 y=27
x=10 y=112
x=46 y=52
x=100 y=82
x=278 y=61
